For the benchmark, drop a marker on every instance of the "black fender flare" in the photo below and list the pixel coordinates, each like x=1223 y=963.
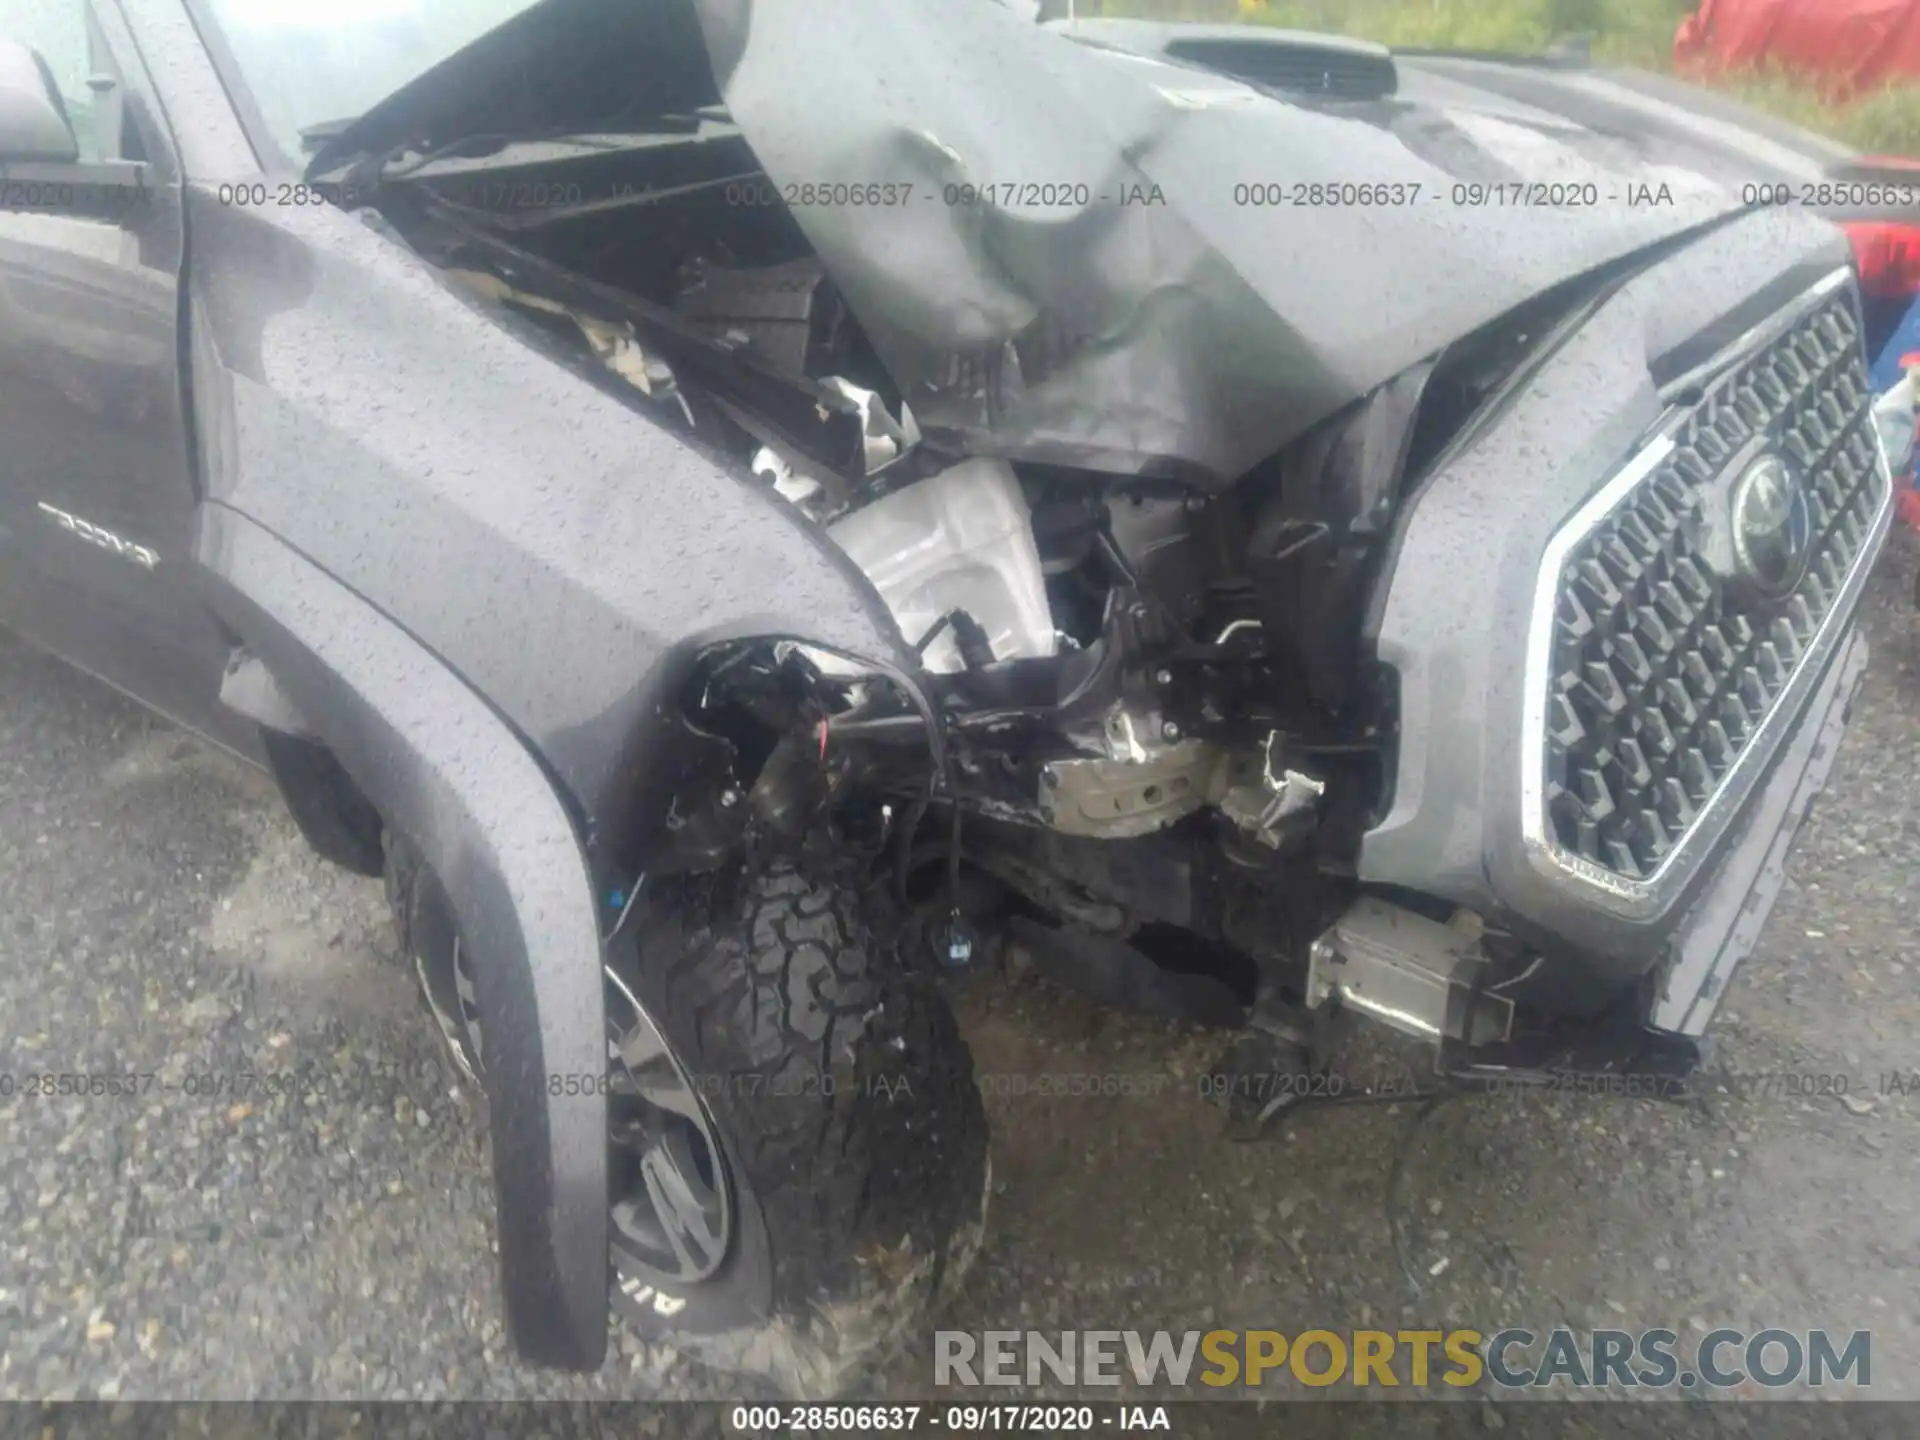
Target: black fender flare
x=456 y=779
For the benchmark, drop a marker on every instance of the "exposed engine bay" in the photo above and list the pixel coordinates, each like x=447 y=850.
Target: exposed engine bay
x=1142 y=741
x=753 y=519
x=1140 y=730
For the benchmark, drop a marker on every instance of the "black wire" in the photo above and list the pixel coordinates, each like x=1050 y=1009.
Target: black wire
x=953 y=858
x=1397 y=1175
x=1428 y=1100
x=933 y=633
x=1293 y=1104
x=938 y=781
x=908 y=686
x=903 y=859
x=633 y=894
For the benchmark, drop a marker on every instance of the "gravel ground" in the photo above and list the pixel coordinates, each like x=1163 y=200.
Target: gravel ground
x=162 y=916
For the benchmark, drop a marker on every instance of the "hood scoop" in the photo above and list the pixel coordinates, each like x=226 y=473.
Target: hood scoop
x=1290 y=62
x=1298 y=64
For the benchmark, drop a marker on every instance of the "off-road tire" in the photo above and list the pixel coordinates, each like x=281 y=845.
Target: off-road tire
x=843 y=1096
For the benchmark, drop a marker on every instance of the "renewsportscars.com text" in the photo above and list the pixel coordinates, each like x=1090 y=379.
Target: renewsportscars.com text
x=1377 y=1359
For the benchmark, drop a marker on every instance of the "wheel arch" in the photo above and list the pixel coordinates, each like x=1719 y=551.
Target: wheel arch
x=463 y=787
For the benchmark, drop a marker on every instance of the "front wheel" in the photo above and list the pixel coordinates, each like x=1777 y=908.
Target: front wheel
x=798 y=1151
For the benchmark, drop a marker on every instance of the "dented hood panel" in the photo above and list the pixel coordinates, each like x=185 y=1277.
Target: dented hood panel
x=1120 y=305
x=1166 y=324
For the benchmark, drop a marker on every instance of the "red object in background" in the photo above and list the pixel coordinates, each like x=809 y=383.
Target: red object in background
x=1888 y=253
x=1909 y=507
x=1848 y=45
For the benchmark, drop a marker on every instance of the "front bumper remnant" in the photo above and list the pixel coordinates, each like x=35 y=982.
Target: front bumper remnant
x=1429 y=979
x=1727 y=920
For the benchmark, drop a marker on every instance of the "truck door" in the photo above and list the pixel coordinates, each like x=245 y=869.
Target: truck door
x=97 y=490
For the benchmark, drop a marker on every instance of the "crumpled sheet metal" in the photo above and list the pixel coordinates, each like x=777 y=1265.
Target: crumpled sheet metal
x=1184 y=335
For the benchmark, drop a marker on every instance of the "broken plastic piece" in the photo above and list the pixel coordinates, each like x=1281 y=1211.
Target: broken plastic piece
x=616 y=345
x=886 y=439
x=799 y=490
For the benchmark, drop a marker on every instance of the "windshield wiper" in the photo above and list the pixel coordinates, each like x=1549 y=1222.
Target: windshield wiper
x=371 y=169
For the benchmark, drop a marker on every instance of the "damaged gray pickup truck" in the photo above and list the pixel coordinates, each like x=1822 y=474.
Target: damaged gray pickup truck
x=741 y=510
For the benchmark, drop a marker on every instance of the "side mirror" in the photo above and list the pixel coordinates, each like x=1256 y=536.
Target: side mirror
x=33 y=119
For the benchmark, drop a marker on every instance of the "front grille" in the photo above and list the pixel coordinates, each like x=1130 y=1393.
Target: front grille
x=1663 y=666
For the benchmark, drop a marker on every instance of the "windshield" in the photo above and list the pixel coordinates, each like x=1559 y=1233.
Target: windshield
x=311 y=62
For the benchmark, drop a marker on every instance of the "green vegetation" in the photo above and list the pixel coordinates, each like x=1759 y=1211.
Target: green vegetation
x=1629 y=32
x=1885 y=122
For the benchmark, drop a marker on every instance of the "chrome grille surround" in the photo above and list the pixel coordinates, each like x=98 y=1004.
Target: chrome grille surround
x=1655 y=695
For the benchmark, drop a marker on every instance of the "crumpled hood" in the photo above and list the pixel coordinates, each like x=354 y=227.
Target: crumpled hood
x=1118 y=303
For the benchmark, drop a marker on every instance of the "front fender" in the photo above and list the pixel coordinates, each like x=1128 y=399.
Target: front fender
x=463 y=788
x=564 y=552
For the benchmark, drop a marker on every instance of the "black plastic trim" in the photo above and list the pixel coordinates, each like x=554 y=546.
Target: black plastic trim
x=467 y=794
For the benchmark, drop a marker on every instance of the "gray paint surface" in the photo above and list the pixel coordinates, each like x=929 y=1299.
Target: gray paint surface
x=1198 y=333
x=1454 y=625
x=1117 y=302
